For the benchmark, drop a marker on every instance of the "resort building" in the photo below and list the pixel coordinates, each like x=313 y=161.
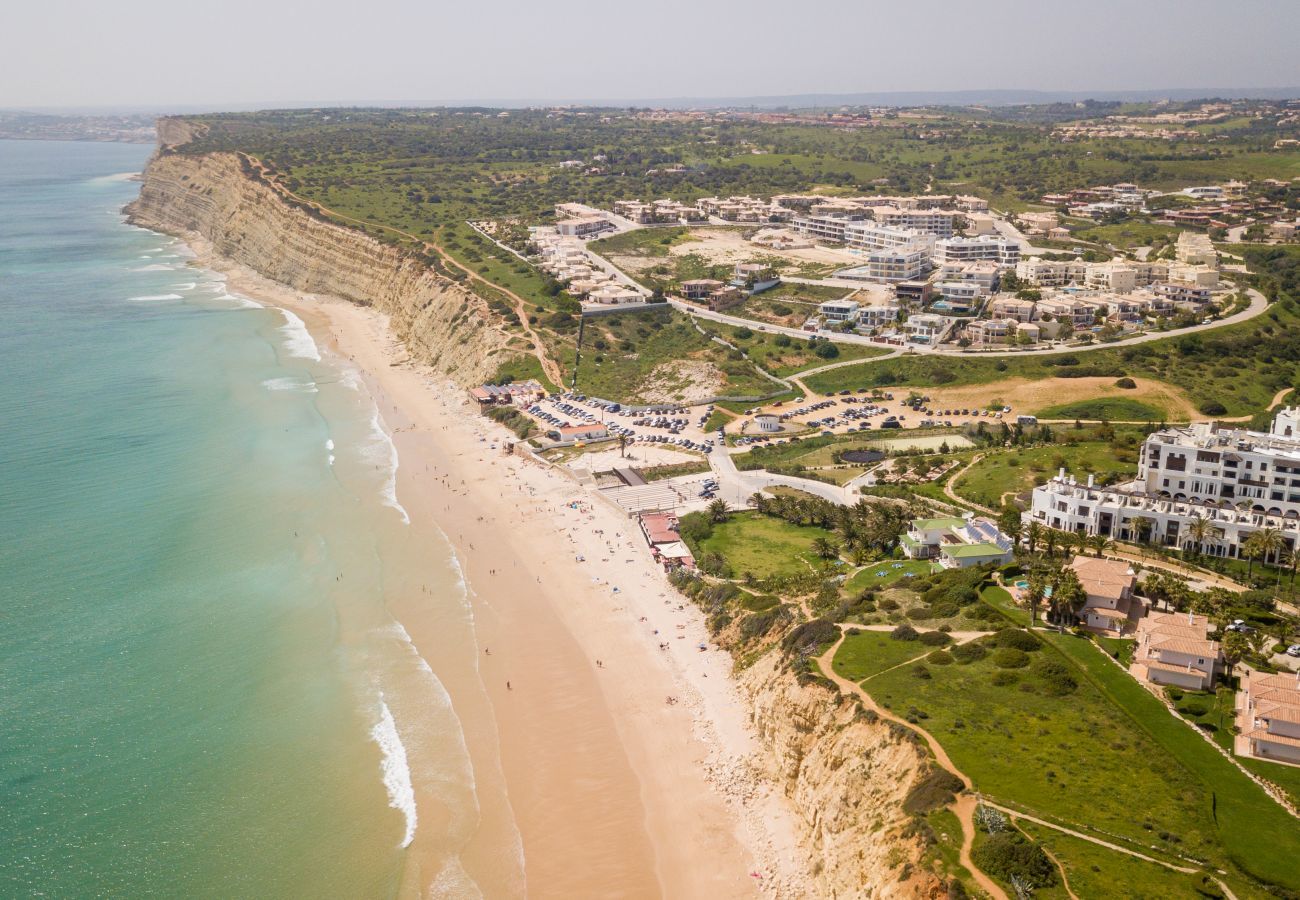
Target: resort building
x=754 y=277
x=983 y=248
x=984 y=332
x=1269 y=716
x=1230 y=482
x=957 y=543
x=925 y=328
x=938 y=222
x=879 y=315
x=1196 y=248
x=874 y=236
x=1108 y=584
x=1012 y=308
x=584 y=227
x=1175 y=649
x=699 y=288
x=837 y=312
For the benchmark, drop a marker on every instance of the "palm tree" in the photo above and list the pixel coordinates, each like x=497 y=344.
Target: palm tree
x=1142 y=528
x=1270 y=542
x=1199 y=530
x=718 y=511
x=1100 y=543
x=1035 y=591
x=1033 y=533
x=1068 y=594
x=1050 y=541
x=759 y=501
x=825 y=548
x=622 y=445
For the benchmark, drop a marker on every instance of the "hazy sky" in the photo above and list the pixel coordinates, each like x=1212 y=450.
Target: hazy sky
x=240 y=52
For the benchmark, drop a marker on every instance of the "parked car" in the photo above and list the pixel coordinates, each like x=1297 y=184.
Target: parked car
x=1293 y=650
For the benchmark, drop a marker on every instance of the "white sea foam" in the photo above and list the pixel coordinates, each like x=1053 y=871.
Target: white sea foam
x=152 y=298
x=331 y=459
x=395 y=768
x=185 y=286
x=290 y=383
x=380 y=451
x=243 y=302
x=297 y=339
x=155 y=267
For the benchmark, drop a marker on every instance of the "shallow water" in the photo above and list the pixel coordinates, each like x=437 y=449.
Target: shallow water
x=201 y=690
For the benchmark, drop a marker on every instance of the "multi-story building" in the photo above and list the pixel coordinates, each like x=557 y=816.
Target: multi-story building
x=1051 y=273
x=1270 y=716
x=1181 y=292
x=1012 y=308
x=825 y=228
x=897 y=264
x=1175 y=649
x=1230 y=482
x=878 y=315
x=938 y=222
x=837 y=312
x=1079 y=313
x=925 y=328
x=957 y=543
x=864 y=235
x=984 y=332
x=982 y=248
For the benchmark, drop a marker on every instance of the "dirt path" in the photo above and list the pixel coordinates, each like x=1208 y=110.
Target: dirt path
x=1084 y=836
x=549 y=366
x=965 y=804
x=952 y=479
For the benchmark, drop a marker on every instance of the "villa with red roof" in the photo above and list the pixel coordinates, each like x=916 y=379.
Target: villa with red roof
x=1175 y=649
x=1269 y=717
x=1109 y=585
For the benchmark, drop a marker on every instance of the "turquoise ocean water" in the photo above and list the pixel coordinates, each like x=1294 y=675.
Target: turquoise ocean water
x=200 y=691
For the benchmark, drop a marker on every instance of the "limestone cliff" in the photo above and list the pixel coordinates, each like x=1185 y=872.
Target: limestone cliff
x=846 y=774
x=219 y=198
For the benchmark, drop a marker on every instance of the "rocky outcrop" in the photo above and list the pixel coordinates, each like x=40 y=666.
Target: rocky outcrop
x=221 y=198
x=846 y=774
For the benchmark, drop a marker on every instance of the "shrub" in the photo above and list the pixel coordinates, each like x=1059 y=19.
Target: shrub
x=1009 y=854
x=1010 y=658
x=920 y=612
x=1213 y=408
x=1004 y=678
x=1015 y=639
x=811 y=636
x=904 y=633
x=889 y=604
x=969 y=653
x=936 y=790
x=921 y=672
x=1057 y=678
x=935 y=639
x=945 y=610
x=1127 y=383
x=1194 y=708
x=940 y=658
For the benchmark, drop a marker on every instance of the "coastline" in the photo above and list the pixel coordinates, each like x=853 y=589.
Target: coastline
x=612 y=788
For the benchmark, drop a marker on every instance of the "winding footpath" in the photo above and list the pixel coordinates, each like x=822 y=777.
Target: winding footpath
x=965 y=804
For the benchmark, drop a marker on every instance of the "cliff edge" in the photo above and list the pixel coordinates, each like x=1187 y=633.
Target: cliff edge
x=218 y=198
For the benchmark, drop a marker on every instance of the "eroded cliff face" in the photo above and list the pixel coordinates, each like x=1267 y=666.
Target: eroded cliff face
x=443 y=324
x=846 y=777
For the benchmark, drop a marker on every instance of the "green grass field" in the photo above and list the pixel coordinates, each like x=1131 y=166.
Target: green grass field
x=883 y=574
x=1257 y=835
x=763 y=545
x=1095 y=871
x=1070 y=757
x=867 y=653
x=1017 y=471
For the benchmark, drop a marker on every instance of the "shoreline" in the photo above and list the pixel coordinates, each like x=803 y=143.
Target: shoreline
x=612 y=788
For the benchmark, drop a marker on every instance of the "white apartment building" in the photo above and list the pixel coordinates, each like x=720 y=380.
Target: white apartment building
x=938 y=222
x=824 y=228
x=985 y=274
x=878 y=315
x=1079 y=313
x=864 y=235
x=898 y=264
x=837 y=312
x=1240 y=481
x=982 y=248
x=1012 y=308
x=925 y=328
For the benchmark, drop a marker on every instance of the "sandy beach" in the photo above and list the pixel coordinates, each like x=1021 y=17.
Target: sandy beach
x=625 y=763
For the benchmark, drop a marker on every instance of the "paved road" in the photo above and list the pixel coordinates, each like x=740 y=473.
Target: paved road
x=1258 y=303
x=736 y=487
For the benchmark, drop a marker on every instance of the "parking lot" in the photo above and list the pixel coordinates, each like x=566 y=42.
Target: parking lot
x=863 y=410
x=670 y=426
